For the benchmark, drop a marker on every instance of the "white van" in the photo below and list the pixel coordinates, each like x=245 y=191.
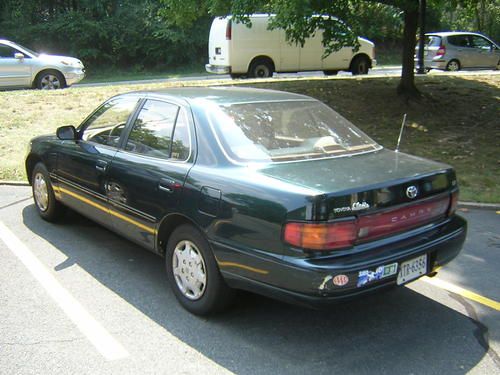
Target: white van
x=240 y=51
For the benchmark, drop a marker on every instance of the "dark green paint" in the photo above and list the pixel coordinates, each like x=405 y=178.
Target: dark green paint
x=242 y=209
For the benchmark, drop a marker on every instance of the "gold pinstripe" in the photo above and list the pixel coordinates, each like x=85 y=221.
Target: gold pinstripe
x=107 y=210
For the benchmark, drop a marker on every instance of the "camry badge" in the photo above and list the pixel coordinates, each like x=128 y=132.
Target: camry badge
x=411 y=191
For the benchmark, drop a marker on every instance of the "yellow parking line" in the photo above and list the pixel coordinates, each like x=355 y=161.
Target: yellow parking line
x=462 y=292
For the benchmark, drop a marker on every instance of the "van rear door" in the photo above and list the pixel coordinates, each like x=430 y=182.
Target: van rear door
x=219 y=42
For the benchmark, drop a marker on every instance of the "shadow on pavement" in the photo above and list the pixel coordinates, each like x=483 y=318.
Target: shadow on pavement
x=398 y=332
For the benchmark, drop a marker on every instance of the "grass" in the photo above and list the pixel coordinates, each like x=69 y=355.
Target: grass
x=456 y=122
x=117 y=75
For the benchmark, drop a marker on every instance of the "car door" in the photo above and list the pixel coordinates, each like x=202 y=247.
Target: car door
x=146 y=177
x=484 y=52
x=13 y=72
x=82 y=164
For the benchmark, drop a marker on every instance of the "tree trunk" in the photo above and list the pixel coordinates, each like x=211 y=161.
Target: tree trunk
x=407 y=86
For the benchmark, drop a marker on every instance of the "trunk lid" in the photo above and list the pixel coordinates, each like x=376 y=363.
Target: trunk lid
x=363 y=184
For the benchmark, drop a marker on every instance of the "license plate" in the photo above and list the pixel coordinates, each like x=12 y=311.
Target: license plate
x=412 y=269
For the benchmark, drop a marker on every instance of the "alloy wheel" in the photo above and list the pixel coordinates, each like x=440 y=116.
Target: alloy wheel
x=50 y=82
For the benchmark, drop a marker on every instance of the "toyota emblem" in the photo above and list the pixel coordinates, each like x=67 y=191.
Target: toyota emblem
x=411 y=192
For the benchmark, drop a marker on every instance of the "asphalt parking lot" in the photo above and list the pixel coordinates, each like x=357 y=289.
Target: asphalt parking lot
x=76 y=298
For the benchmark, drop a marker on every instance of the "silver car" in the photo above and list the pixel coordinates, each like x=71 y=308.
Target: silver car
x=21 y=67
x=456 y=50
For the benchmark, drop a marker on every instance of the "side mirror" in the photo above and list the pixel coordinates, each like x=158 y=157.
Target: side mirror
x=67 y=133
x=19 y=55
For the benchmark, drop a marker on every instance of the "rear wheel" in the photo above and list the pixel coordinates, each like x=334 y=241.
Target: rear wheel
x=261 y=69
x=453 y=66
x=43 y=194
x=193 y=273
x=360 y=65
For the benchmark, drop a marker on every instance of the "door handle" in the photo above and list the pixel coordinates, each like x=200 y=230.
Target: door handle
x=101 y=165
x=167 y=185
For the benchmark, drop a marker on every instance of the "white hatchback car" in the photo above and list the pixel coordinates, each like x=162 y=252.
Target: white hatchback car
x=21 y=67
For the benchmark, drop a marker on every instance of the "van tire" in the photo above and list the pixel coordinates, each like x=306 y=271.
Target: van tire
x=261 y=68
x=360 y=65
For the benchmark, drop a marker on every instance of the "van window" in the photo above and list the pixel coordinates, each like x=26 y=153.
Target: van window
x=285 y=131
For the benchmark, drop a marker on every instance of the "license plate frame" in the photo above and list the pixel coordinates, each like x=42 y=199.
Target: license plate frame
x=412 y=269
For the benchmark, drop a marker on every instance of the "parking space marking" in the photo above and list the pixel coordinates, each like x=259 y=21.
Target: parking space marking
x=462 y=292
x=102 y=340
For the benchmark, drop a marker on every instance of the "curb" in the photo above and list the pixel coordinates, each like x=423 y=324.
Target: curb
x=461 y=204
x=14 y=183
x=481 y=206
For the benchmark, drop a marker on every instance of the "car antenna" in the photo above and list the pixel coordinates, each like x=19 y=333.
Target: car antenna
x=401 y=132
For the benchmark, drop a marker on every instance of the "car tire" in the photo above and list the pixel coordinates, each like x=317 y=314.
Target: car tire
x=50 y=80
x=193 y=272
x=360 y=65
x=46 y=203
x=453 y=66
x=330 y=72
x=261 y=69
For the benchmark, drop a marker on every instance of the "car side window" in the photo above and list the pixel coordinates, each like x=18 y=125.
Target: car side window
x=7 y=52
x=459 y=40
x=152 y=132
x=107 y=124
x=478 y=42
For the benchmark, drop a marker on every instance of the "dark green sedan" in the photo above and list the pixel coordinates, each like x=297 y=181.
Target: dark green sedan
x=251 y=189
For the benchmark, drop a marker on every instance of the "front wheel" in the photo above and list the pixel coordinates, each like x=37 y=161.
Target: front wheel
x=43 y=194
x=193 y=273
x=360 y=65
x=50 y=80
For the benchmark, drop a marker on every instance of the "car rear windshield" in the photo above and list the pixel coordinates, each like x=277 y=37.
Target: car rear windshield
x=285 y=131
x=433 y=41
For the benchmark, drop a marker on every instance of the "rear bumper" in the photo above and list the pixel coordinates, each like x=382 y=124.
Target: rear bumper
x=433 y=64
x=217 y=69
x=310 y=281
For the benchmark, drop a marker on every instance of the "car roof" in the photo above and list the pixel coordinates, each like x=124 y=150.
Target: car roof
x=224 y=95
x=448 y=33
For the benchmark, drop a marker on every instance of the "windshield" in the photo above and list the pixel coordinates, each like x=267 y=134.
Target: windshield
x=36 y=54
x=288 y=130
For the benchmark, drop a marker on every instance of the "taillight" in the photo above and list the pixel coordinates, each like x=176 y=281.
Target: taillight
x=441 y=51
x=328 y=236
x=453 y=203
x=345 y=233
x=229 y=30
